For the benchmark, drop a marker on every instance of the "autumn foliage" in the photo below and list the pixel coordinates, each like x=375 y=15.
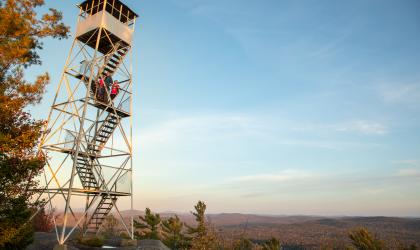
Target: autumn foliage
x=21 y=34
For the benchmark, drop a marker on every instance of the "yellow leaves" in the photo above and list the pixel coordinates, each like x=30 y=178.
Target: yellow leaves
x=7 y=234
x=21 y=31
x=32 y=93
x=20 y=39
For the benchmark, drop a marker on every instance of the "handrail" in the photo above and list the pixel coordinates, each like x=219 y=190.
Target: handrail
x=115 y=12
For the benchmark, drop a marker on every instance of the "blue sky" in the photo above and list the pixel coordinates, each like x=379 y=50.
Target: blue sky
x=272 y=107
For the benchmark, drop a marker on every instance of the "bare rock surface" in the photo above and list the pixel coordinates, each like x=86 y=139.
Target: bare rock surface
x=152 y=245
x=45 y=241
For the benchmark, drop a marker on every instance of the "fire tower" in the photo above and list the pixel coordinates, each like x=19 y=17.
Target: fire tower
x=88 y=135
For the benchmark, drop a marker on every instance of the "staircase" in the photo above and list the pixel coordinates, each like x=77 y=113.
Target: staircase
x=97 y=143
x=101 y=211
x=85 y=171
x=104 y=132
x=114 y=60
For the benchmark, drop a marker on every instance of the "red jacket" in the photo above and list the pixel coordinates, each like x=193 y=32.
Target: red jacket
x=115 y=88
x=101 y=82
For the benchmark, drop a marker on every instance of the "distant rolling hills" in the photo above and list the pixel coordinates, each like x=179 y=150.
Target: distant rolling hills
x=308 y=231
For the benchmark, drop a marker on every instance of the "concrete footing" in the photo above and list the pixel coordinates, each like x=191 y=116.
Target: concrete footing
x=128 y=242
x=60 y=247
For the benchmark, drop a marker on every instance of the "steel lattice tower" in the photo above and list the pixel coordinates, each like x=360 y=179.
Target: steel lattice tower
x=88 y=136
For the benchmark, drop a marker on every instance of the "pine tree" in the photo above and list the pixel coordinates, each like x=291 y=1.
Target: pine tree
x=109 y=226
x=174 y=237
x=149 y=226
x=21 y=32
x=362 y=239
x=203 y=237
x=272 y=244
x=199 y=214
x=243 y=244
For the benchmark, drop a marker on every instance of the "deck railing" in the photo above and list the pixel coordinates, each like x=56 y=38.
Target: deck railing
x=123 y=15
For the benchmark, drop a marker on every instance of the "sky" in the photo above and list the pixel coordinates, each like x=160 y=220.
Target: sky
x=271 y=107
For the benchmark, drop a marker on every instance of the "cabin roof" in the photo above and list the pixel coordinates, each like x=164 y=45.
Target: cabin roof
x=117 y=4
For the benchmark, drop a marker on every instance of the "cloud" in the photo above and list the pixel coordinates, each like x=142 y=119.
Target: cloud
x=358 y=126
x=408 y=172
x=364 y=127
x=179 y=131
x=329 y=47
x=285 y=175
x=410 y=162
x=200 y=128
x=409 y=168
x=303 y=180
x=408 y=93
x=327 y=144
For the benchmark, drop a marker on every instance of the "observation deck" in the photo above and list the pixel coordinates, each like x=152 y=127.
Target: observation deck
x=112 y=15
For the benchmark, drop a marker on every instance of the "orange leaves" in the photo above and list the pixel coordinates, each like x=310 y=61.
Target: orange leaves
x=20 y=39
x=21 y=31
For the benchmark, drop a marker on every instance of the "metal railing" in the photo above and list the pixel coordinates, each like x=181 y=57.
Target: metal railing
x=121 y=101
x=125 y=16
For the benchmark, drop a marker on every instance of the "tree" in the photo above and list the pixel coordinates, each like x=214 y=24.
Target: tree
x=43 y=221
x=362 y=239
x=149 y=226
x=272 y=244
x=173 y=236
x=243 y=244
x=21 y=34
x=109 y=226
x=199 y=214
x=204 y=238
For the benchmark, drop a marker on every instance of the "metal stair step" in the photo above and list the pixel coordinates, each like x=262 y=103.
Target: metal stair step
x=110 y=127
x=111 y=66
x=121 y=53
x=104 y=208
x=114 y=60
x=89 y=178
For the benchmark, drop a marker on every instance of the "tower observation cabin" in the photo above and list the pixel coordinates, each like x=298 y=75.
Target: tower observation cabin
x=112 y=15
x=87 y=138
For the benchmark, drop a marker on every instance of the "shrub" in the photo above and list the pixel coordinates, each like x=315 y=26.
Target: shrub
x=109 y=226
x=92 y=241
x=243 y=244
x=362 y=239
x=125 y=235
x=43 y=222
x=272 y=244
